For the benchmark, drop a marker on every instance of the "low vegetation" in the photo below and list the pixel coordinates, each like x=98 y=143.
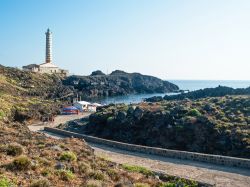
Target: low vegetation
x=138 y=169
x=216 y=125
x=68 y=156
x=5 y=182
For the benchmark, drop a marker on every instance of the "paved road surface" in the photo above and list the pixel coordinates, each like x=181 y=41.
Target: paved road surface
x=220 y=176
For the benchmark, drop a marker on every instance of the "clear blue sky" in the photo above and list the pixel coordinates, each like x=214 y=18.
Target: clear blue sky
x=177 y=39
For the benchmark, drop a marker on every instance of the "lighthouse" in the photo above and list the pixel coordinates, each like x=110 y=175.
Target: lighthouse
x=48 y=55
x=47 y=67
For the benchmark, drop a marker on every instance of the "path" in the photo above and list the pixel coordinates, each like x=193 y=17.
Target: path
x=220 y=176
x=58 y=120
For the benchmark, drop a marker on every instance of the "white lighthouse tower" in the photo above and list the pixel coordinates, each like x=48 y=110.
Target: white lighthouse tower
x=48 y=55
x=47 y=67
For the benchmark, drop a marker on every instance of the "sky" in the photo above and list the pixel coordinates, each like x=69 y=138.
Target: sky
x=170 y=39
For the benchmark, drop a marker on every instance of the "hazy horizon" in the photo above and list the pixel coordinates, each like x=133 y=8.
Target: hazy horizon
x=172 y=40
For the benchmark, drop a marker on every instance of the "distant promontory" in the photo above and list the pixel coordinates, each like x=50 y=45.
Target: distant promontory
x=118 y=83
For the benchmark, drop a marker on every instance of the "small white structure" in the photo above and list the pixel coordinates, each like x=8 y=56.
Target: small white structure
x=86 y=106
x=82 y=105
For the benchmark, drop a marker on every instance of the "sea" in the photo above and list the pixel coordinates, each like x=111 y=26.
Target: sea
x=190 y=85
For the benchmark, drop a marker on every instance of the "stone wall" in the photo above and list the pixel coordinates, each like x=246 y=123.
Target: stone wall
x=201 y=157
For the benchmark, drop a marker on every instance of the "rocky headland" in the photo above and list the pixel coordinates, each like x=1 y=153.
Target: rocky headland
x=117 y=83
x=203 y=93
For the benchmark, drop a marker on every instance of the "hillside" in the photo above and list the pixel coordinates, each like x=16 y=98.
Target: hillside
x=26 y=95
x=118 y=83
x=216 y=125
x=34 y=160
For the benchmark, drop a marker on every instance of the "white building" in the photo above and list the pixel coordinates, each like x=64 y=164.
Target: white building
x=86 y=106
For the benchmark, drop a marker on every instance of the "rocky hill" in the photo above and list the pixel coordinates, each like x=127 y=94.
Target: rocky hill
x=216 y=125
x=34 y=160
x=118 y=83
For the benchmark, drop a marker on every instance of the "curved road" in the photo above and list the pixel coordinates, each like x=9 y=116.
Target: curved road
x=217 y=175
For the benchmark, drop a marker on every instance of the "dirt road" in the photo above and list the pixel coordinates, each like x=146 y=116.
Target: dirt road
x=60 y=119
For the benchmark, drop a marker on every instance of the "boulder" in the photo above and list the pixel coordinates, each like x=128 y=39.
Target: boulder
x=60 y=166
x=130 y=111
x=138 y=113
x=121 y=116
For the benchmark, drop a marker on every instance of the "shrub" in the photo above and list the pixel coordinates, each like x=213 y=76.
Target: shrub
x=41 y=183
x=4 y=182
x=113 y=174
x=92 y=183
x=168 y=184
x=46 y=172
x=21 y=163
x=84 y=167
x=66 y=175
x=97 y=175
x=14 y=150
x=141 y=185
x=68 y=156
x=194 y=112
x=173 y=182
x=138 y=169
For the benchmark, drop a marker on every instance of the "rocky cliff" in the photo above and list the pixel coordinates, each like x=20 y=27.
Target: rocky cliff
x=118 y=83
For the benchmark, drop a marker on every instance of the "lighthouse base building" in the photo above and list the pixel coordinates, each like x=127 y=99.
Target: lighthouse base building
x=48 y=66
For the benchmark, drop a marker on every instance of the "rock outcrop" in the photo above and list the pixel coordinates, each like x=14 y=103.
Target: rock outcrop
x=215 y=125
x=117 y=83
x=210 y=92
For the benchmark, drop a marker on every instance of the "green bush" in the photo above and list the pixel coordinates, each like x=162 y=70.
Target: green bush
x=194 y=112
x=68 y=156
x=138 y=169
x=97 y=175
x=66 y=175
x=41 y=183
x=14 y=150
x=141 y=185
x=21 y=163
x=4 y=182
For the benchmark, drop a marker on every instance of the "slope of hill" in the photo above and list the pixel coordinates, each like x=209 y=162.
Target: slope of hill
x=118 y=83
x=26 y=95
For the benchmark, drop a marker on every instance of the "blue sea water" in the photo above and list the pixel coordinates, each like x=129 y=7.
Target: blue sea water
x=190 y=85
